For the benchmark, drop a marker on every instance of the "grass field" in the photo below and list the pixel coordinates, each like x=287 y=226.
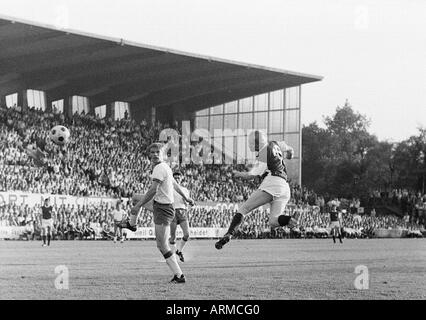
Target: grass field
x=244 y=269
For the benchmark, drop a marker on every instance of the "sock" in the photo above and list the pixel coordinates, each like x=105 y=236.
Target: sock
x=133 y=218
x=173 y=246
x=48 y=239
x=44 y=239
x=283 y=220
x=182 y=243
x=172 y=263
x=236 y=221
x=334 y=239
x=340 y=238
x=115 y=239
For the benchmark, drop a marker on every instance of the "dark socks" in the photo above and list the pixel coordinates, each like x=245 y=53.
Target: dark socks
x=236 y=221
x=44 y=239
x=48 y=239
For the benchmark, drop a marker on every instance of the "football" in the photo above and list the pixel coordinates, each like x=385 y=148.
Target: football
x=60 y=135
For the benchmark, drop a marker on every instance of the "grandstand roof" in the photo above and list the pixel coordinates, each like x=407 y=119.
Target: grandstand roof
x=64 y=62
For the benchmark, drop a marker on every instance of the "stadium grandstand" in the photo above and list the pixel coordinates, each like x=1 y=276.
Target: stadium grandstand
x=73 y=72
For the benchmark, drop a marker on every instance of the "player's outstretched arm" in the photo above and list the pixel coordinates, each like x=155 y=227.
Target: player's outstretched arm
x=179 y=190
x=256 y=171
x=288 y=150
x=244 y=175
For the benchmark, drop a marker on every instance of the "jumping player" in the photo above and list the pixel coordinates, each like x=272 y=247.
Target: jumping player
x=46 y=222
x=274 y=188
x=335 y=221
x=119 y=215
x=162 y=191
x=180 y=219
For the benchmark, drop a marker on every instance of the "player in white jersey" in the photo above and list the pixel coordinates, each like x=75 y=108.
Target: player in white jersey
x=162 y=191
x=181 y=219
x=118 y=215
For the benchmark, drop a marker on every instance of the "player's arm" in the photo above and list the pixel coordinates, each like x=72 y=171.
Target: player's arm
x=256 y=171
x=288 y=150
x=147 y=197
x=179 y=190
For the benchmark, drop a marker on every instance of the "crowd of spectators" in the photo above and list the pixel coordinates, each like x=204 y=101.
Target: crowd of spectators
x=410 y=203
x=103 y=158
x=96 y=221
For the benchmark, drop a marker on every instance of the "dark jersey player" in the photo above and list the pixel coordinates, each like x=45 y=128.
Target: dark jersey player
x=274 y=189
x=335 y=221
x=46 y=222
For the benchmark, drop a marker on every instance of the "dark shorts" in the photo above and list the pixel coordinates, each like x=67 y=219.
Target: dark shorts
x=163 y=213
x=180 y=216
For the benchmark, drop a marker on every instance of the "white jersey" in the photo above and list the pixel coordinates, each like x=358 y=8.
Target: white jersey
x=165 y=191
x=119 y=214
x=179 y=202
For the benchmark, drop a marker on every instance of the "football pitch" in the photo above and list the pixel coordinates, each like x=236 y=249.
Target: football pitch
x=243 y=269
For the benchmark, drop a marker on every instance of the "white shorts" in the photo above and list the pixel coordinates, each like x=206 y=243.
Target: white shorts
x=279 y=189
x=334 y=224
x=276 y=187
x=47 y=223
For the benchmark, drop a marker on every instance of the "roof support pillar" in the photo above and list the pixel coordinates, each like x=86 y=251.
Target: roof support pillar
x=68 y=107
x=109 y=112
x=49 y=101
x=140 y=111
x=23 y=100
x=91 y=107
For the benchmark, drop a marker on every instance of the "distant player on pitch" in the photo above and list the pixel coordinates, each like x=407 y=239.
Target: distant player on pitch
x=335 y=221
x=46 y=222
x=119 y=215
x=181 y=219
x=162 y=191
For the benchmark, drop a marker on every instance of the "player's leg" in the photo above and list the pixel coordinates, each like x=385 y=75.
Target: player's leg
x=277 y=218
x=120 y=233
x=162 y=235
x=49 y=234
x=115 y=232
x=185 y=229
x=340 y=234
x=163 y=216
x=172 y=240
x=257 y=199
x=43 y=234
x=131 y=223
x=333 y=233
x=184 y=224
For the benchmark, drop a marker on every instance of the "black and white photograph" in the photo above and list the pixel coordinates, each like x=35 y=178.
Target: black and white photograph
x=236 y=152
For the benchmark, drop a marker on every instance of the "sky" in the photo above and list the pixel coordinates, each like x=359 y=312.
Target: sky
x=372 y=53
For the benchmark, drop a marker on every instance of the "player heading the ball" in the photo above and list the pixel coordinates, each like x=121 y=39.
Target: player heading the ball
x=274 y=188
